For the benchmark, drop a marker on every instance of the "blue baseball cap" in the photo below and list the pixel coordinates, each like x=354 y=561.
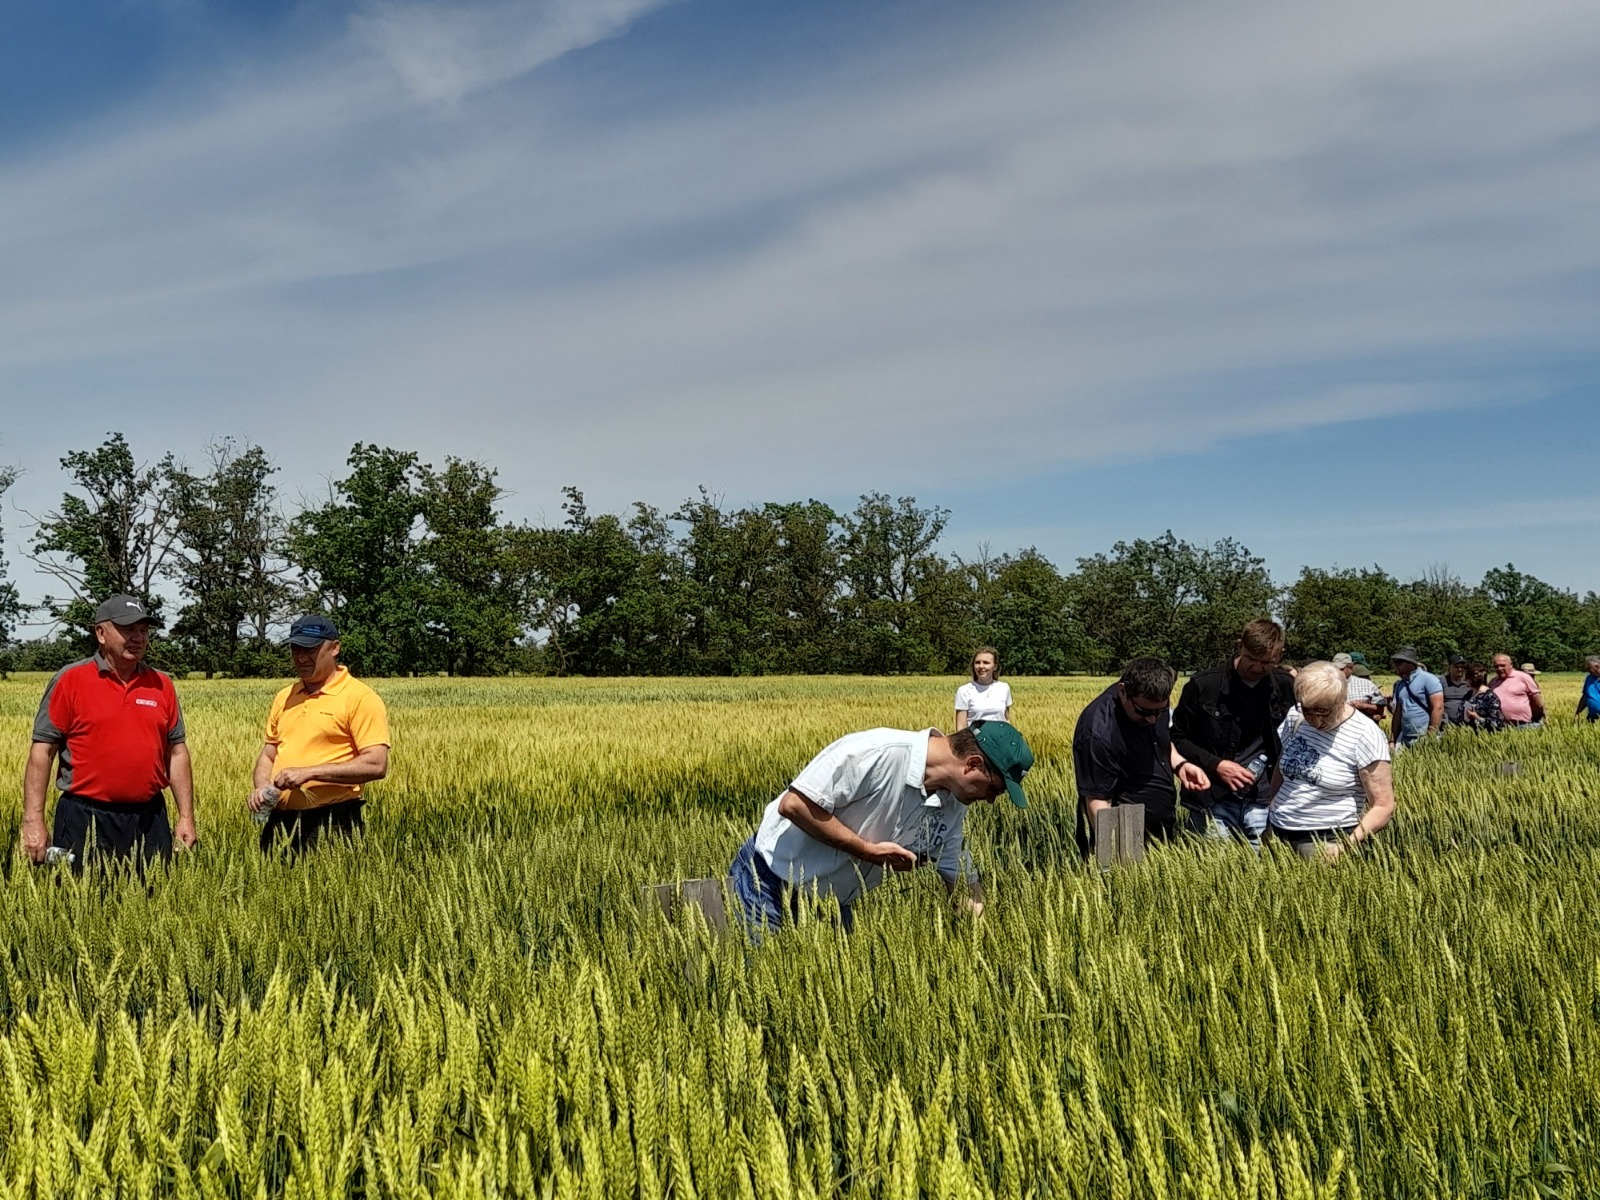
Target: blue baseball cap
x=311 y=630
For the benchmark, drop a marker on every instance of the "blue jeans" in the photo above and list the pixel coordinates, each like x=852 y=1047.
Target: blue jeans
x=767 y=901
x=1231 y=820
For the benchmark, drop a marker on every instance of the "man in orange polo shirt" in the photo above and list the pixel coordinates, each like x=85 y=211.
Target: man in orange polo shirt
x=118 y=730
x=327 y=736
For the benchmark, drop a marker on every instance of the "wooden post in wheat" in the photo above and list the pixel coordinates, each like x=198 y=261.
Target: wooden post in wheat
x=1119 y=835
x=670 y=899
x=1511 y=768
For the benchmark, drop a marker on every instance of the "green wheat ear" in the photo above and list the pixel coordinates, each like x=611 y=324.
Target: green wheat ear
x=471 y=1002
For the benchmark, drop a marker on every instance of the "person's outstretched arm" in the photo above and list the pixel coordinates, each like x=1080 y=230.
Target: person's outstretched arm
x=35 y=781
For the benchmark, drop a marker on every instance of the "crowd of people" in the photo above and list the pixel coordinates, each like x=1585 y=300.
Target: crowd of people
x=1255 y=752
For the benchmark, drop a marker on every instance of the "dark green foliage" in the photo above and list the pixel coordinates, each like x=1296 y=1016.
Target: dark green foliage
x=358 y=557
x=471 y=582
x=1169 y=599
x=1371 y=611
x=1025 y=605
x=901 y=597
x=10 y=601
x=228 y=562
x=424 y=576
x=114 y=534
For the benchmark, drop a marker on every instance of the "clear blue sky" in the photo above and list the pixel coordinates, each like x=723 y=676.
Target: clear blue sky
x=1325 y=279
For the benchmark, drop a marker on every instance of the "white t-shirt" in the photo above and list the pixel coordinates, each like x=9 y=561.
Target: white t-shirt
x=872 y=782
x=984 y=701
x=1322 y=771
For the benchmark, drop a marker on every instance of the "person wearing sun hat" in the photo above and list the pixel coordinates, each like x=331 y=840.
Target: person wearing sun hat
x=327 y=738
x=872 y=802
x=1418 y=699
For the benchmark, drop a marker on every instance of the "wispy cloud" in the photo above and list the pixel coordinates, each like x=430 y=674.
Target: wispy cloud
x=1122 y=229
x=444 y=52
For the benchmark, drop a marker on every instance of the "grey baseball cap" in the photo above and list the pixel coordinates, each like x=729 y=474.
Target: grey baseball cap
x=1342 y=659
x=123 y=609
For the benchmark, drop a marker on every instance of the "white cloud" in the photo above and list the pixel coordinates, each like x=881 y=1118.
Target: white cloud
x=444 y=52
x=1127 y=229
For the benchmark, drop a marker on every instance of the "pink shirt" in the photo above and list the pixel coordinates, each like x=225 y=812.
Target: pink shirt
x=1516 y=692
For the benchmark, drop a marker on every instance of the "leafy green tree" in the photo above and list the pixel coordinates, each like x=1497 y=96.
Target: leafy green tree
x=731 y=587
x=1586 y=625
x=808 y=581
x=10 y=601
x=1327 y=612
x=115 y=534
x=606 y=595
x=357 y=556
x=901 y=596
x=228 y=561
x=1171 y=599
x=1026 y=610
x=470 y=572
x=1441 y=616
x=1541 y=621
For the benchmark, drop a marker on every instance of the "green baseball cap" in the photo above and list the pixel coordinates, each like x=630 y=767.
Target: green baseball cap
x=1007 y=753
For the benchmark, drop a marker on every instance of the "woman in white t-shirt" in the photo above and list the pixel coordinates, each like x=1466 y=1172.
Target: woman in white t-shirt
x=1333 y=784
x=985 y=698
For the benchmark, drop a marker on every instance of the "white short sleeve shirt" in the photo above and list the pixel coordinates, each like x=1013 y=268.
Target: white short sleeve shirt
x=1322 y=772
x=984 y=701
x=872 y=782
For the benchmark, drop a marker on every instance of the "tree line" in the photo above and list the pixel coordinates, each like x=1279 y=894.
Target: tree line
x=423 y=574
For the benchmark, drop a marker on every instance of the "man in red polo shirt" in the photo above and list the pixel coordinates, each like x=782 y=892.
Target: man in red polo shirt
x=118 y=729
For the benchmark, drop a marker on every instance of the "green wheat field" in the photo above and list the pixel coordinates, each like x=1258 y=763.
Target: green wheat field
x=474 y=1002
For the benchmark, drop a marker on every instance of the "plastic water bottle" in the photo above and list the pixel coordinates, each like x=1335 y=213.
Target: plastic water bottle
x=269 y=801
x=1257 y=767
x=55 y=855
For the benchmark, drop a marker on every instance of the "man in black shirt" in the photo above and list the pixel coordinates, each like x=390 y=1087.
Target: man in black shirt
x=1122 y=751
x=1458 y=690
x=1227 y=722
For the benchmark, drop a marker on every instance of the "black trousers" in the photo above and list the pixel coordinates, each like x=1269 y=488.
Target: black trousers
x=95 y=831
x=304 y=828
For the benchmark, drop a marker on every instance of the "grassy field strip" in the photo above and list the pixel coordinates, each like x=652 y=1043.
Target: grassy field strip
x=473 y=1003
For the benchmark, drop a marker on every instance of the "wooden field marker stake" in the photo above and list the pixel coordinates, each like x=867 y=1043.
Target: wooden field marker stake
x=1119 y=835
x=1511 y=768
x=707 y=895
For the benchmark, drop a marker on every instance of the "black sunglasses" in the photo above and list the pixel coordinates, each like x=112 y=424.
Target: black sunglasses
x=1148 y=714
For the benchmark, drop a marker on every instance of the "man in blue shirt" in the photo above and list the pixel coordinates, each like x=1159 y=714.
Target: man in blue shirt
x=1418 y=699
x=1589 y=698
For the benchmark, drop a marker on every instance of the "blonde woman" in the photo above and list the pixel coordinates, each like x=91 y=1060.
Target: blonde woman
x=985 y=698
x=1333 y=786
